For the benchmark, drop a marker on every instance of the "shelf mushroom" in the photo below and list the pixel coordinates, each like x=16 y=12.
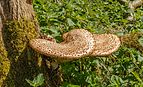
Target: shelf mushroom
x=77 y=43
x=105 y=44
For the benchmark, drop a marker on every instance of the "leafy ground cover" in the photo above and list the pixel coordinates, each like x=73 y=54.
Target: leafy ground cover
x=123 y=68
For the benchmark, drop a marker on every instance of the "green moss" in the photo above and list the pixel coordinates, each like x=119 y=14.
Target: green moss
x=4 y=63
x=23 y=63
x=17 y=35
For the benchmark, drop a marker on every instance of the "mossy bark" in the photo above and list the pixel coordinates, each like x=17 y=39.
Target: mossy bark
x=4 y=61
x=17 y=60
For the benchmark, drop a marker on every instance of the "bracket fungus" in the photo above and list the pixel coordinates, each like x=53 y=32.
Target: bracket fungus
x=77 y=43
x=105 y=44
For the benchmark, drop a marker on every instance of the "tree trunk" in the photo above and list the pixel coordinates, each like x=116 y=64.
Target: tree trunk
x=18 y=61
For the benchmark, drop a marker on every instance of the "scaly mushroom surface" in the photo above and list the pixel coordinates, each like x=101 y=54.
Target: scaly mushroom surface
x=105 y=44
x=77 y=43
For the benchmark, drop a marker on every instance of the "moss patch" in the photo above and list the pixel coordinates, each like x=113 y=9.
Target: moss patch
x=4 y=63
x=23 y=63
x=17 y=34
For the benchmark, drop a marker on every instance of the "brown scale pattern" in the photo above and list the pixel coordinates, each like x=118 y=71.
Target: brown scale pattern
x=105 y=44
x=77 y=43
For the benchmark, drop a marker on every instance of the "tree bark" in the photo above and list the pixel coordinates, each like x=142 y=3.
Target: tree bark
x=17 y=60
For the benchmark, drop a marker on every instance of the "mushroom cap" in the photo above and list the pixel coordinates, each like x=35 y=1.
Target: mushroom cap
x=77 y=43
x=105 y=44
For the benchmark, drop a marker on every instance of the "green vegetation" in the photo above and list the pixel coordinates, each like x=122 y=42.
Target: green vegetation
x=37 y=81
x=124 y=68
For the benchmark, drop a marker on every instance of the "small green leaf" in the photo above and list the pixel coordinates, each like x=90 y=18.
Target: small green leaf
x=38 y=81
x=116 y=80
x=141 y=41
x=70 y=22
x=137 y=76
x=30 y=82
x=140 y=58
